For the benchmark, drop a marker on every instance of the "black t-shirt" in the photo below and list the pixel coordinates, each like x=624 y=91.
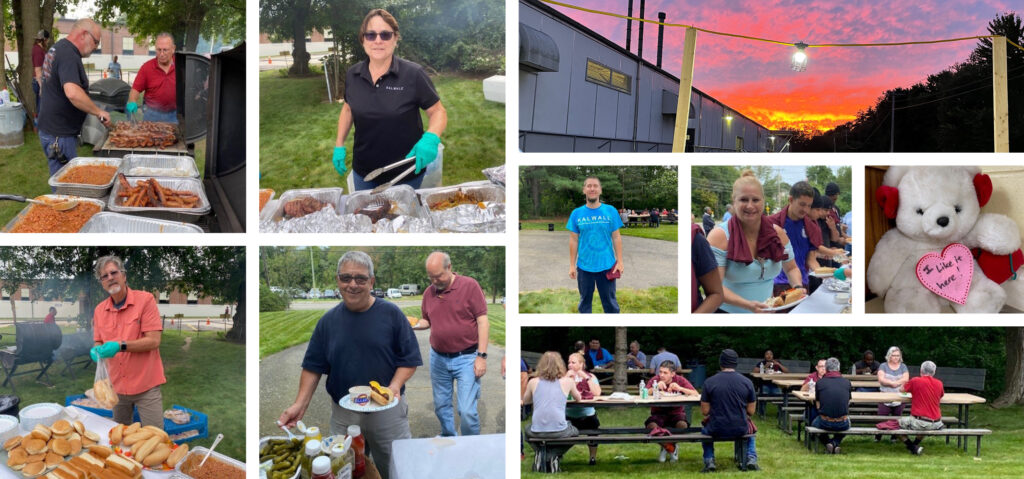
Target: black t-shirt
x=833 y=394
x=728 y=393
x=63 y=64
x=387 y=114
x=353 y=349
x=862 y=364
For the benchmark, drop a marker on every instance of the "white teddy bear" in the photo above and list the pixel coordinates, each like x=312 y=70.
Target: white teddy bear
x=935 y=206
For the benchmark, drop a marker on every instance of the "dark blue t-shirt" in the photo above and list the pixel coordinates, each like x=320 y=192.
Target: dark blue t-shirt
x=728 y=393
x=353 y=349
x=703 y=260
x=801 y=246
x=62 y=64
x=833 y=393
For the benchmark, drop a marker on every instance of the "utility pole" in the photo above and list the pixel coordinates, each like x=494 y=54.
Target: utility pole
x=892 y=122
x=312 y=271
x=629 y=24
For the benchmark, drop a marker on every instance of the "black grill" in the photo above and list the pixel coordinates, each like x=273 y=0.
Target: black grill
x=35 y=343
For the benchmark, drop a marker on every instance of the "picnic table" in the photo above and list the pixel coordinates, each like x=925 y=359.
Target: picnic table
x=635 y=401
x=856 y=381
x=801 y=376
x=962 y=401
x=639 y=220
x=608 y=373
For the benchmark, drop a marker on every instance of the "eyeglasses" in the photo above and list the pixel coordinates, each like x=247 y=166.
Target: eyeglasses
x=110 y=275
x=371 y=36
x=95 y=40
x=348 y=278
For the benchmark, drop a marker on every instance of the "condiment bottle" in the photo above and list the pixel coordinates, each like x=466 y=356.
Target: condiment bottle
x=322 y=468
x=312 y=433
x=342 y=459
x=312 y=451
x=359 y=448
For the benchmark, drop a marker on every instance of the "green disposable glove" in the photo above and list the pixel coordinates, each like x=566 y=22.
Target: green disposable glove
x=339 y=160
x=105 y=350
x=425 y=150
x=131 y=108
x=839 y=274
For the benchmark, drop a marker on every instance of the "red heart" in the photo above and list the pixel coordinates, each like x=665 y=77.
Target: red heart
x=949 y=274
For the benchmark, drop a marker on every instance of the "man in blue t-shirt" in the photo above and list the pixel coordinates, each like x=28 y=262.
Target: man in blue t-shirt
x=595 y=248
x=600 y=356
x=362 y=339
x=804 y=234
x=727 y=403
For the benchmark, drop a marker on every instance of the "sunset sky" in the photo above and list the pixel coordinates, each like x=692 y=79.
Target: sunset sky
x=755 y=77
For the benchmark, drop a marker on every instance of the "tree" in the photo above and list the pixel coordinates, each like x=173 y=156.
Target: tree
x=620 y=378
x=290 y=19
x=1013 y=392
x=819 y=176
x=185 y=19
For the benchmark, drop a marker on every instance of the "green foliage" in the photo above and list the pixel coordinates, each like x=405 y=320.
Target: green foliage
x=546 y=191
x=656 y=300
x=665 y=232
x=185 y=19
x=271 y=301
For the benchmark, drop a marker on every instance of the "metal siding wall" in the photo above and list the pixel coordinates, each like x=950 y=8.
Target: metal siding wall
x=527 y=92
x=551 y=97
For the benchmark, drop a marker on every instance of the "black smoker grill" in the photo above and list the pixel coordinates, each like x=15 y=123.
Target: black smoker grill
x=35 y=343
x=74 y=351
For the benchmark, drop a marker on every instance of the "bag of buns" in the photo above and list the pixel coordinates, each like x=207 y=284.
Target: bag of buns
x=102 y=390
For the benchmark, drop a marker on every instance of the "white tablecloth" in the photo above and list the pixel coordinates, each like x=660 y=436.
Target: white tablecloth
x=460 y=457
x=95 y=423
x=821 y=302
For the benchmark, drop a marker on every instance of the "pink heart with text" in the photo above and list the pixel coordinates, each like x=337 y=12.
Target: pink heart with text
x=949 y=274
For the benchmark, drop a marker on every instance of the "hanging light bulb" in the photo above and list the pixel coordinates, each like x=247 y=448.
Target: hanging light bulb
x=800 y=57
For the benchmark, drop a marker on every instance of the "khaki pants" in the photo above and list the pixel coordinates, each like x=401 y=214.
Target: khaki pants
x=150 y=404
x=379 y=430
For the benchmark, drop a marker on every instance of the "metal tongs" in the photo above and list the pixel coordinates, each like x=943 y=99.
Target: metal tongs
x=379 y=171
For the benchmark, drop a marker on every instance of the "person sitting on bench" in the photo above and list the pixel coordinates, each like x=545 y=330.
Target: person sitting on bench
x=667 y=381
x=547 y=392
x=925 y=414
x=586 y=383
x=832 y=402
x=819 y=372
x=727 y=404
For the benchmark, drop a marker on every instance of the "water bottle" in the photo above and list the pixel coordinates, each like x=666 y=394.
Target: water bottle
x=853 y=369
x=643 y=390
x=657 y=392
x=761 y=367
x=810 y=387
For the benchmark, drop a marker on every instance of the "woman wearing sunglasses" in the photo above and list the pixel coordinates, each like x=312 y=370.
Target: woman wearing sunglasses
x=750 y=251
x=383 y=98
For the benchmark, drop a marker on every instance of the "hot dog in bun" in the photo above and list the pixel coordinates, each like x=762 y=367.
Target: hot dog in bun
x=380 y=394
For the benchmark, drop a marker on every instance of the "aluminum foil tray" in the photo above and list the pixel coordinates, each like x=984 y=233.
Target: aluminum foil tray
x=82 y=189
x=24 y=211
x=275 y=212
x=404 y=201
x=159 y=166
x=201 y=451
x=468 y=218
x=188 y=215
x=107 y=222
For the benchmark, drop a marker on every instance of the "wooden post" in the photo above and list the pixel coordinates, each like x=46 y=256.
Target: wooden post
x=685 y=86
x=1000 y=108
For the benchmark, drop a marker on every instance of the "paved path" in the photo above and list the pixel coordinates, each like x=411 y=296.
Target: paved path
x=544 y=262
x=279 y=382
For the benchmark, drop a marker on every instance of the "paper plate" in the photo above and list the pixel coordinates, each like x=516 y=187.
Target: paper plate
x=347 y=403
x=787 y=306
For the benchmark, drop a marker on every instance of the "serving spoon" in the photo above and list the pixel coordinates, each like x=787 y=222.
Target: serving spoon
x=59 y=206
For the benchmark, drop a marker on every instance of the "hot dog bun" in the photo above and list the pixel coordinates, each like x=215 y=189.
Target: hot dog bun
x=380 y=394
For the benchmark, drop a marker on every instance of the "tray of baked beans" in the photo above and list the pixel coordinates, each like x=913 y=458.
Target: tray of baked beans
x=44 y=219
x=85 y=176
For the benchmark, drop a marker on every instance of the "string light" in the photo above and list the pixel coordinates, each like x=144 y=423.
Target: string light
x=800 y=57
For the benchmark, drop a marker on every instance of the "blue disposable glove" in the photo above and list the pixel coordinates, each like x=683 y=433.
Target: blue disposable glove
x=131 y=108
x=339 y=160
x=425 y=150
x=105 y=350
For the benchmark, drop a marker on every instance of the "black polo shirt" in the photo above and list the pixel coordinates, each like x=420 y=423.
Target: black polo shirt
x=387 y=114
x=833 y=394
x=62 y=64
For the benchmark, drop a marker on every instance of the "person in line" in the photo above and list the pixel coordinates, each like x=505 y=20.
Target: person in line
x=548 y=393
x=598 y=355
x=706 y=291
x=636 y=358
x=751 y=252
x=667 y=381
x=586 y=383
x=595 y=249
x=455 y=311
x=383 y=98
x=156 y=81
x=126 y=328
x=727 y=403
x=362 y=339
x=892 y=375
x=38 y=57
x=832 y=404
x=803 y=233
x=925 y=410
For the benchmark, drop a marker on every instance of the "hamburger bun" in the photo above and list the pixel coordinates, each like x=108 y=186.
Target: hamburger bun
x=17 y=458
x=35 y=446
x=33 y=468
x=79 y=427
x=13 y=443
x=60 y=446
x=41 y=432
x=76 y=446
x=52 y=459
x=92 y=436
x=61 y=427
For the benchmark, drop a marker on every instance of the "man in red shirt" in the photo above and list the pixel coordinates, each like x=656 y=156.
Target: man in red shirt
x=156 y=80
x=126 y=330
x=925 y=414
x=668 y=382
x=455 y=311
x=52 y=317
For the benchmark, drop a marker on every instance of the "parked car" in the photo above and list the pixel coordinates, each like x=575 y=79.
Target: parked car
x=394 y=293
x=378 y=292
x=410 y=289
x=329 y=294
x=314 y=294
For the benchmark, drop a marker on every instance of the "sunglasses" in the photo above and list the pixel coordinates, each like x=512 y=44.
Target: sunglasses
x=371 y=36
x=348 y=278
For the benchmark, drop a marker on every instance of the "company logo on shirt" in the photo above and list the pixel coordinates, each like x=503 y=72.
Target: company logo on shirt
x=593 y=219
x=394 y=88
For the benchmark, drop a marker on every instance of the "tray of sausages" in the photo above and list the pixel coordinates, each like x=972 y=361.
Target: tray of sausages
x=175 y=199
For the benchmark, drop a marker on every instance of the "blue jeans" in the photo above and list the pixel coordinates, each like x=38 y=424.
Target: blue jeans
x=150 y=114
x=357 y=179
x=35 y=89
x=58 y=150
x=709 y=448
x=585 y=281
x=770 y=390
x=830 y=426
x=443 y=372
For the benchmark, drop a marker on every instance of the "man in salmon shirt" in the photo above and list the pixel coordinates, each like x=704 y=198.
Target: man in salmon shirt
x=126 y=328
x=156 y=80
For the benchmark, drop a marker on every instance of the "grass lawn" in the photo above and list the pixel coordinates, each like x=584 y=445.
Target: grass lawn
x=781 y=455
x=665 y=232
x=280 y=330
x=209 y=378
x=23 y=171
x=298 y=128
x=659 y=299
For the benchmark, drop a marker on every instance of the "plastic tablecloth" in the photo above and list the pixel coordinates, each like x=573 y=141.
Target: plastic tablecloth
x=821 y=302
x=459 y=457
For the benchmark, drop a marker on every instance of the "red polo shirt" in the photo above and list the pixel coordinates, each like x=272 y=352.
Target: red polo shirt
x=452 y=314
x=130 y=373
x=157 y=85
x=927 y=393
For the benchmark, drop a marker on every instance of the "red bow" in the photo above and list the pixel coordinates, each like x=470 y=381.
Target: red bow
x=889 y=199
x=983 y=188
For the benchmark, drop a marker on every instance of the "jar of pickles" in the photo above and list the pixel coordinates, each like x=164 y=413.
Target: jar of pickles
x=342 y=460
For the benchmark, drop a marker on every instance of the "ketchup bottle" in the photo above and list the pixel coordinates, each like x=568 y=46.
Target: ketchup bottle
x=359 y=446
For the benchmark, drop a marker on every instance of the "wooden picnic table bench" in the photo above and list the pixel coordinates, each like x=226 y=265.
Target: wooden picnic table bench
x=865 y=419
x=870 y=431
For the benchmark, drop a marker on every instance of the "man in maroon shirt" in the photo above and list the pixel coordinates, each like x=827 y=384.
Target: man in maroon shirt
x=455 y=311
x=925 y=413
x=52 y=317
x=668 y=382
x=38 y=57
x=156 y=80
